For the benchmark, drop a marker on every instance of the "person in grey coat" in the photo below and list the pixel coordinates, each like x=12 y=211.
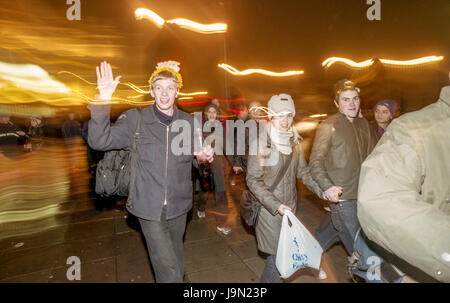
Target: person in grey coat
x=262 y=172
x=162 y=193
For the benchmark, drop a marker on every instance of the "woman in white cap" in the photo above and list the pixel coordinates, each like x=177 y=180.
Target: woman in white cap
x=283 y=153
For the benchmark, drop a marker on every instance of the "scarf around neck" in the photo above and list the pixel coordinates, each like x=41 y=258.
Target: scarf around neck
x=282 y=139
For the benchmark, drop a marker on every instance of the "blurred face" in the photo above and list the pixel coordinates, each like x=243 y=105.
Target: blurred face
x=242 y=115
x=282 y=121
x=164 y=91
x=382 y=114
x=4 y=119
x=34 y=123
x=349 y=103
x=211 y=114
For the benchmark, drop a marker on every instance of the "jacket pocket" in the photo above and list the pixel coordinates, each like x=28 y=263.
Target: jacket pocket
x=148 y=149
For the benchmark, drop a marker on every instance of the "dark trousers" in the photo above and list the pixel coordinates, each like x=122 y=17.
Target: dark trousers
x=271 y=273
x=221 y=206
x=165 y=247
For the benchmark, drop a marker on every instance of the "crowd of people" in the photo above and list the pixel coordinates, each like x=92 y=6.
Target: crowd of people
x=386 y=182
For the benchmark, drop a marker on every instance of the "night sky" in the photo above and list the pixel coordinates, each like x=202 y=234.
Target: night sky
x=274 y=35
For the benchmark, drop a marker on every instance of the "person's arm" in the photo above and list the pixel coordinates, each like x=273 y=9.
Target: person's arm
x=101 y=136
x=322 y=143
x=256 y=184
x=303 y=173
x=391 y=210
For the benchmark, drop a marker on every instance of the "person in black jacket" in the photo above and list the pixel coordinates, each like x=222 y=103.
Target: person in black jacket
x=213 y=127
x=162 y=193
x=12 y=137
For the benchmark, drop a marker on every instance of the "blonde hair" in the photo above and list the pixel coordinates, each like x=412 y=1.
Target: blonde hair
x=164 y=74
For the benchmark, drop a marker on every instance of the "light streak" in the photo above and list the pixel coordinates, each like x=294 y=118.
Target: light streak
x=318 y=115
x=418 y=61
x=330 y=61
x=238 y=111
x=31 y=77
x=193 y=94
x=214 y=28
x=246 y=72
x=144 y=13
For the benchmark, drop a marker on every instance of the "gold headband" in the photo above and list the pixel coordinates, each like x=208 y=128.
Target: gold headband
x=170 y=66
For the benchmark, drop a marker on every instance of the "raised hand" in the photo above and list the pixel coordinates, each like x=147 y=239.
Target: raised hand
x=106 y=84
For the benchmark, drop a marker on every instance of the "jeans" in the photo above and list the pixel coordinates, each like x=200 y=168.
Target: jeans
x=271 y=273
x=165 y=247
x=372 y=267
x=341 y=225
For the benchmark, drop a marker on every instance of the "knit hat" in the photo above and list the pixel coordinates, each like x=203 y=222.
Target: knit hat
x=280 y=103
x=390 y=104
x=343 y=85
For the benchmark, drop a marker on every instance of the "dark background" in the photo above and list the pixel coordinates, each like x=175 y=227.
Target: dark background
x=274 y=35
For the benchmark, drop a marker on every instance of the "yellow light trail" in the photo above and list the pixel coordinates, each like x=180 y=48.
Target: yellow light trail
x=318 y=115
x=246 y=72
x=31 y=77
x=418 y=61
x=193 y=94
x=144 y=13
x=214 y=28
x=330 y=61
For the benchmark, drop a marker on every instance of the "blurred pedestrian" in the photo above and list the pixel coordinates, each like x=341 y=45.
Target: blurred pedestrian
x=12 y=137
x=35 y=134
x=213 y=131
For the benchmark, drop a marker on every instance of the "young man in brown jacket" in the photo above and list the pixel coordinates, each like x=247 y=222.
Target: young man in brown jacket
x=342 y=143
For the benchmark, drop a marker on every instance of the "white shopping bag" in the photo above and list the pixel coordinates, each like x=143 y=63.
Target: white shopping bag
x=297 y=248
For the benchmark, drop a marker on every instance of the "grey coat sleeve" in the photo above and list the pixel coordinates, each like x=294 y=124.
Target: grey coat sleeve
x=102 y=136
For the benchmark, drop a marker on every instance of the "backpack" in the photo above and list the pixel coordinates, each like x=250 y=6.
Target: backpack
x=117 y=170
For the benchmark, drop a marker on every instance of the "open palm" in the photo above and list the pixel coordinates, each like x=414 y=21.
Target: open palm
x=106 y=84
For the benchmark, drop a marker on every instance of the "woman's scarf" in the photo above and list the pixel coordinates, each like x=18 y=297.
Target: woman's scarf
x=282 y=139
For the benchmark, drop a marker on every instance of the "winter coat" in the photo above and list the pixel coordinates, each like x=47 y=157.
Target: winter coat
x=404 y=189
x=339 y=148
x=161 y=176
x=260 y=178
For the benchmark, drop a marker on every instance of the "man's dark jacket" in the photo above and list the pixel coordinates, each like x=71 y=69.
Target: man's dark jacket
x=161 y=176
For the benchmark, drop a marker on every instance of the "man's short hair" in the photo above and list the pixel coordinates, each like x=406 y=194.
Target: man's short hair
x=342 y=86
x=165 y=74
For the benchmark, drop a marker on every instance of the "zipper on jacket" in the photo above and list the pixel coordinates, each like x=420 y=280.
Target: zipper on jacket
x=167 y=160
